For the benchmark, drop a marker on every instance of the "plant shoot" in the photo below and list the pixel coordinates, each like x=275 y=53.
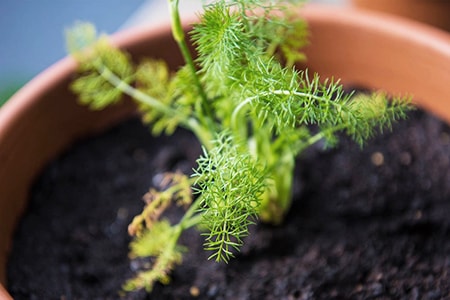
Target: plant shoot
x=250 y=107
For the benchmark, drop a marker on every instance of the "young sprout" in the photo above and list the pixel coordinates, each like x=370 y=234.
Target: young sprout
x=249 y=106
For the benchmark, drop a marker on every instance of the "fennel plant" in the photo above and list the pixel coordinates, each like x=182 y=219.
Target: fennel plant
x=248 y=105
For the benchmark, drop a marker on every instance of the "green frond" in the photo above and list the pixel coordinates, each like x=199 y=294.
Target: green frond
x=287 y=98
x=182 y=91
x=367 y=113
x=230 y=183
x=154 y=79
x=270 y=87
x=99 y=64
x=295 y=37
x=232 y=42
x=159 y=243
x=222 y=45
x=274 y=27
x=320 y=102
x=279 y=32
x=153 y=241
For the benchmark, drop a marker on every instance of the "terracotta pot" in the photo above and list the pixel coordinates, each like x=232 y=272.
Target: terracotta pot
x=433 y=12
x=362 y=48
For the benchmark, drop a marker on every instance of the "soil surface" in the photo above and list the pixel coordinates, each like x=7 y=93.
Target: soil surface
x=365 y=224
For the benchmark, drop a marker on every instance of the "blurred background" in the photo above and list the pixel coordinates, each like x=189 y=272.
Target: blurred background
x=32 y=32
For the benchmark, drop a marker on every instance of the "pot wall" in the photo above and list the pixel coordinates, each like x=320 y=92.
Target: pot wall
x=433 y=12
x=43 y=119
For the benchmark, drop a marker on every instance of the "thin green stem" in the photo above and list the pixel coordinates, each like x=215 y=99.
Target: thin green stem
x=248 y=100
x=190 y=123
x=127 y=89
x=192 y=209
x=318 y=136
x=236 y=111
x=192 y=221
x=179 y=36
x=189 y=218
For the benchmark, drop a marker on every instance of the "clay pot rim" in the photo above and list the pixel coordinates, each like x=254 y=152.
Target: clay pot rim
x=391 y=25
x=431 y=12
x=20 y=103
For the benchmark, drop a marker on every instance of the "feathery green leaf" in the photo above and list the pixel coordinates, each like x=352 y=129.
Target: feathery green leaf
x=230 y=182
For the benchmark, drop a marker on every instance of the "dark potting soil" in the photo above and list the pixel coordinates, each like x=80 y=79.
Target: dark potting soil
x=365 y=224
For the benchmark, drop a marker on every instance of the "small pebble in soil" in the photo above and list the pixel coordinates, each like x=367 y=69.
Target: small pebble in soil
x=377 y=158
